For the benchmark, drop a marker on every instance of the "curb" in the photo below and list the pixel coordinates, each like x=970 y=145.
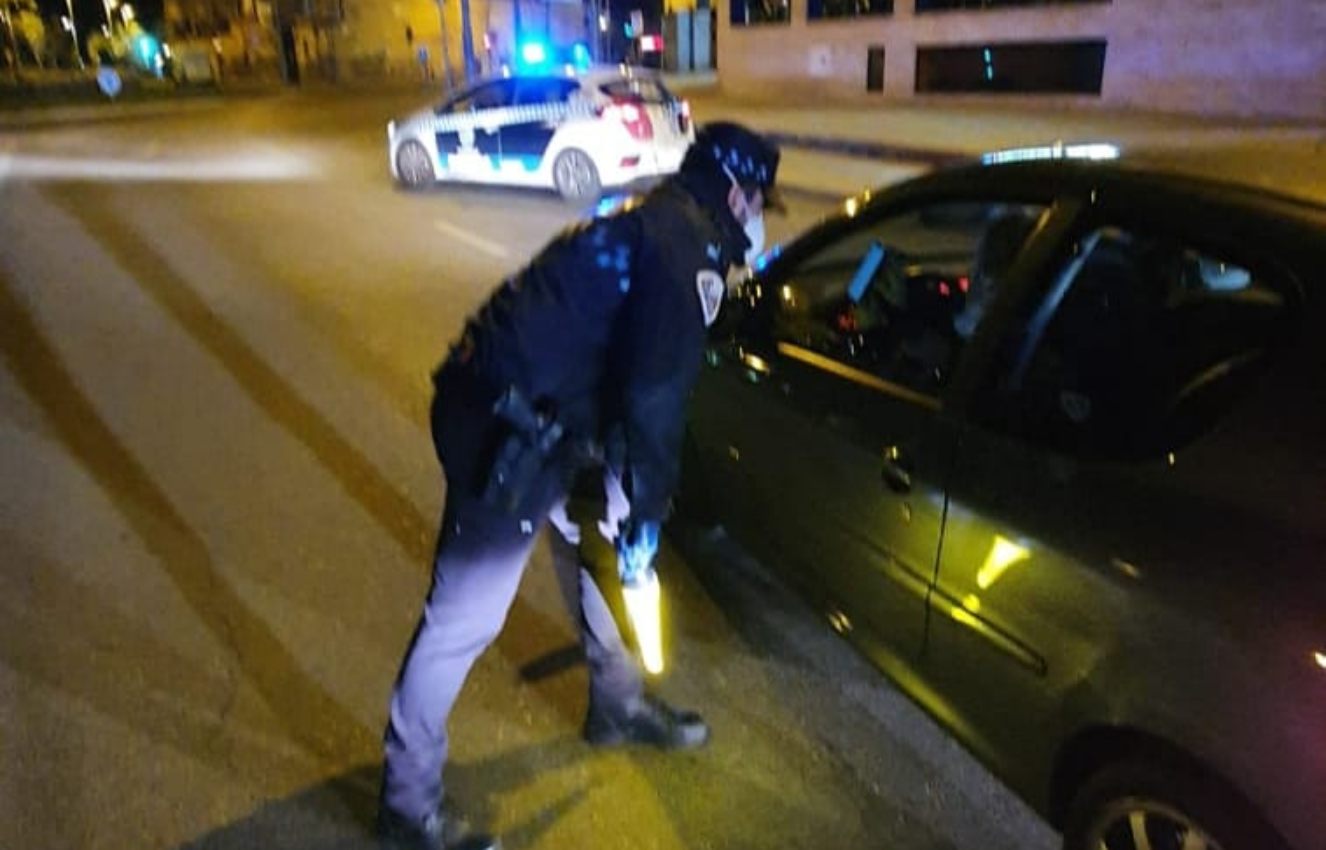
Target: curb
x=55 y=115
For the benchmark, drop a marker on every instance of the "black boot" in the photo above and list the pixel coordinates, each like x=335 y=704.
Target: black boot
x=438 y=831
x=646 y=720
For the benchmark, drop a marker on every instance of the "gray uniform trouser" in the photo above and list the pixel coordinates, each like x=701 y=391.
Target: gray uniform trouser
x=479 y=563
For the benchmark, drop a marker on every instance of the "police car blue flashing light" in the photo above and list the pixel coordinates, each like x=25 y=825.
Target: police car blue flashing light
x=573 y=132
x=533 y=53
x=535 y=56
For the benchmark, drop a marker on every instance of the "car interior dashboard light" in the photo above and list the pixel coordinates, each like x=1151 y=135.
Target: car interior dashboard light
x=1320 y=658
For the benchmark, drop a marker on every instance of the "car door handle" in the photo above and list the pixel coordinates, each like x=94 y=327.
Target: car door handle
x=897 y=471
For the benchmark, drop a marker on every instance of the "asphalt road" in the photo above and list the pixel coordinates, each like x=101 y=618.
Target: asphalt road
x=217 y=512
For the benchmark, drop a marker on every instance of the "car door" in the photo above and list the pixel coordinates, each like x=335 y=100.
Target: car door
x=542 y=105
x=468 y=129
x=832 y=421
x=1079 y=484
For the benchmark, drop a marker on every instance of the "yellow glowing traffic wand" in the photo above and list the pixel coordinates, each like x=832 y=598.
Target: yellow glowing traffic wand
x=642 y=594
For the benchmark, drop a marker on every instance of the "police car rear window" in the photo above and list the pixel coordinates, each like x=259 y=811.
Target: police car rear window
x=640 y=91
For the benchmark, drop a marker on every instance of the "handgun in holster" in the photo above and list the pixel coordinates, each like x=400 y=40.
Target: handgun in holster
x=532 y=436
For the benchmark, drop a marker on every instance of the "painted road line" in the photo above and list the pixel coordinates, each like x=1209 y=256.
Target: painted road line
x=6 y=160
x=261 y=167
x=491 y=248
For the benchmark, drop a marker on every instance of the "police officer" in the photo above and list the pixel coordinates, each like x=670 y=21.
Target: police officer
x=585 y=357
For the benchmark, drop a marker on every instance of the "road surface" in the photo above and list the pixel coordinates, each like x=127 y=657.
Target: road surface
x=219 y=501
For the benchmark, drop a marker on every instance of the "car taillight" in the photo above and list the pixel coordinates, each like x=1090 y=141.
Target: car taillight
x=633 y=118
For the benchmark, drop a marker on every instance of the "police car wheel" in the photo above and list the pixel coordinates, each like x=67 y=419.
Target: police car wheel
x=413 y=165
x=575 y=176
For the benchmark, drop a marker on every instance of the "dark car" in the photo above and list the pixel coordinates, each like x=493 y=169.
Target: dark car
x=1047 y=442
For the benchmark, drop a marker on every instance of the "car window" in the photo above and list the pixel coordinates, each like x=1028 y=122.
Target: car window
x=543 y=90
x=1140 y=347
x=900 y=297
x=494 y=95
x=639 y=90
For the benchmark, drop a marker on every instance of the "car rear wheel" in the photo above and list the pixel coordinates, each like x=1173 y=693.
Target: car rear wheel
x=1154 y=805
x=575 y=176
x=414 y=167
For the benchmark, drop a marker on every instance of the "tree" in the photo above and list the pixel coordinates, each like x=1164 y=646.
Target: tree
x=25 y=28
x=61 y=49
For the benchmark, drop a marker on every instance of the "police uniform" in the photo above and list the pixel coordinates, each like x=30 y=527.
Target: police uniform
x=599 y=342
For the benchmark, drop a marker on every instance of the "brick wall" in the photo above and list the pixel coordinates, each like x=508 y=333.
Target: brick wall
x=1217 y=57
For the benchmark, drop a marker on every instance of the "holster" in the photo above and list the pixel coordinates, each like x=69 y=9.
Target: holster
x=525 y=452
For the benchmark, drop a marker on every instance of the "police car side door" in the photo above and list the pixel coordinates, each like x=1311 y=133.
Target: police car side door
x=542 y=105
x=469 y=143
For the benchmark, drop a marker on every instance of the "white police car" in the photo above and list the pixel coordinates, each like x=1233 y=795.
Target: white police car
x=574 y=132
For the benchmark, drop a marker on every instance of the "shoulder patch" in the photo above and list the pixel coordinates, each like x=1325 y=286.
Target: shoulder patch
x=711 y=289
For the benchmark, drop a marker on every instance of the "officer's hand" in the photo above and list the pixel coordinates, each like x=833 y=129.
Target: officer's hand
x=637 y=545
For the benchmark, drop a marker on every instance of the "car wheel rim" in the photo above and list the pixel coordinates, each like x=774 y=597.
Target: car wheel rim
x=414 y=165
x=575 y=174
x=1147 y=825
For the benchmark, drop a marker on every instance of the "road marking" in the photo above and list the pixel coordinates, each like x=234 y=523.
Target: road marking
x=257 y=167
x=491 y=248
x=6 y=160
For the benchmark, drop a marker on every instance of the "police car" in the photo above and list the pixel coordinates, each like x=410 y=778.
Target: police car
x=575 y=132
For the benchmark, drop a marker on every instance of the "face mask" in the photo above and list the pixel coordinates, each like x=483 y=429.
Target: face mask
x=754 y=228
x=754 y=225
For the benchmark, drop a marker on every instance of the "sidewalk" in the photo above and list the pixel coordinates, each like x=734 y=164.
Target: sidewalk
x=843 y=148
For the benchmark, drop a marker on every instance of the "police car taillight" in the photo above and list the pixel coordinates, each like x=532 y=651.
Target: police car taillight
x=633 y=118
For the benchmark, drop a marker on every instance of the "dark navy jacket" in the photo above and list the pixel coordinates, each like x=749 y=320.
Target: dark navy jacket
x=606 y=326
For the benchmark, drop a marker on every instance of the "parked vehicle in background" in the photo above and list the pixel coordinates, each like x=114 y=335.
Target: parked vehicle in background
x=576 y=133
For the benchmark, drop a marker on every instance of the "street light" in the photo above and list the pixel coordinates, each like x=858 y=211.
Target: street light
x=8 y=18
x=127 y=12
x=73 y=31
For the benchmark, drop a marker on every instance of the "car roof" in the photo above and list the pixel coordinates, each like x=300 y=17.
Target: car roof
x=1288 y=228
x=594 y=75
x=1148 y=187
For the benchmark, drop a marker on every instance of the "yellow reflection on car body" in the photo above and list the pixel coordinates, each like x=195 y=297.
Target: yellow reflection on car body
x=1004 y=553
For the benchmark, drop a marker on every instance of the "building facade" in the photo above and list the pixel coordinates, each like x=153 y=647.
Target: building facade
x=344 y=40
x=1217 y=57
